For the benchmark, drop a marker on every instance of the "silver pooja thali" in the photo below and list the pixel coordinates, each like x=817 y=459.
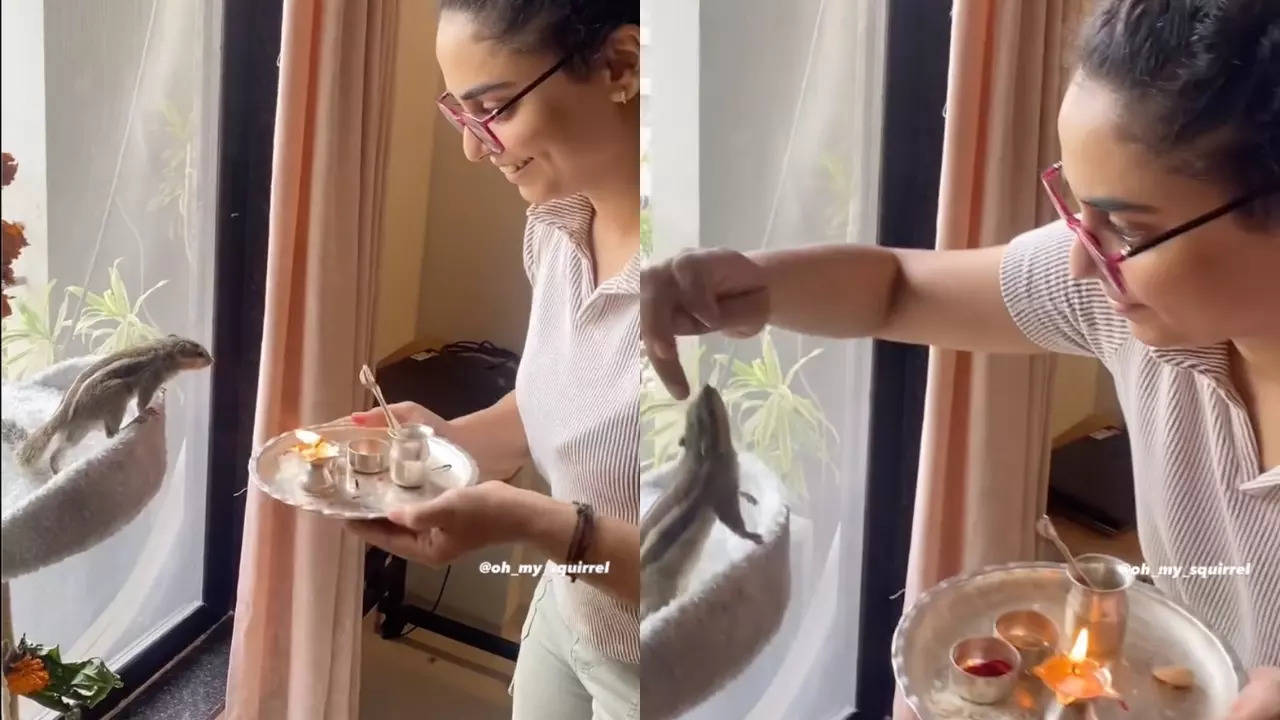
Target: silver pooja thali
x=1160 y=633
x=282 y=473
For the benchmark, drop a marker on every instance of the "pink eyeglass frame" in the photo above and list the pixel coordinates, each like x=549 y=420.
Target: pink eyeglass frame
x=464 y=121
x=1109 y=263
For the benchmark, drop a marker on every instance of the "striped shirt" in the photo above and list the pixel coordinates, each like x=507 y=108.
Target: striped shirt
x=1203 y=499
x=578 y=394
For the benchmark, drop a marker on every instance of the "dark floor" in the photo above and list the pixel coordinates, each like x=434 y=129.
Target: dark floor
x=193 y=688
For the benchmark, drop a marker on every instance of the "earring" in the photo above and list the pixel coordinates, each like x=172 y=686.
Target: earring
x=620 y=96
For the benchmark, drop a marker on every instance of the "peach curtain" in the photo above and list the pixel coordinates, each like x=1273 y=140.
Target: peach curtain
x=983 y=474
x=295 y=652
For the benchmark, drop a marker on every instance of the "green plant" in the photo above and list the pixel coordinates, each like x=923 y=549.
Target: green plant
x=29 y=335
x=110 y=321
x=770 y=419
x=176 y=158
x=837 y=186
x=775 y=422
x=646 y=231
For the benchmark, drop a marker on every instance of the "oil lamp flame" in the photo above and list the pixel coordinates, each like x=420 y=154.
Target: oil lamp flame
x=1080 y=650
x=312 y=447
x=1075 y=677
x=306 y=437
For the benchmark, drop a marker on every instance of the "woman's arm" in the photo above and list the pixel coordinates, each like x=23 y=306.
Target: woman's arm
x=948 y=298
x=461 y=520
x=549 y=524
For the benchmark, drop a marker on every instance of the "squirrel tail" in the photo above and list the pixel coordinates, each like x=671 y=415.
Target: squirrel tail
x=32 y=449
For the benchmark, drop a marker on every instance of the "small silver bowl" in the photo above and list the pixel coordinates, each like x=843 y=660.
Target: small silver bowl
x=368 y=456
x=1033 y=634
x=985 y=689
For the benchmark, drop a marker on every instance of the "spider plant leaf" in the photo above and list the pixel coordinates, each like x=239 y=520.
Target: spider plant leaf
x=800 y=363
x=137 y=305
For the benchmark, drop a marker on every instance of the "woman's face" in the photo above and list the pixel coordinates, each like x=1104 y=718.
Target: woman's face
x=568 y=135
x=1214 y=283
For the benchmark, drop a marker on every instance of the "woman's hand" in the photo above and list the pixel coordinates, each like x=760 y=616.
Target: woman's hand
x=696 y=292
x=1260 y=699
x=460 y=520
x=406 y=413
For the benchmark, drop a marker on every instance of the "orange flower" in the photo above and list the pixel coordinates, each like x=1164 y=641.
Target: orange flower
x=27 y=676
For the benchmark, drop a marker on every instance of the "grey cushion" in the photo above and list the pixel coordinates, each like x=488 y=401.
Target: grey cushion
x=102 y=485
x=731 y=605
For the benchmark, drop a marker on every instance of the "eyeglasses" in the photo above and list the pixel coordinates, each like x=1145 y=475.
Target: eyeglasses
x=479 y=126
x=1108 y=260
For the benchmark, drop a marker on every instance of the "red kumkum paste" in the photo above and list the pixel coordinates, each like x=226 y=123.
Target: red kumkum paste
x=987 y=668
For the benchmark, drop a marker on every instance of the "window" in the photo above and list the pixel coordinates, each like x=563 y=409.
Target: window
x=142 y=185
x=789 y=144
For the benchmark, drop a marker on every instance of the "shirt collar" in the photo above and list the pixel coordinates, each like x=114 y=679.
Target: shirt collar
x=572 y=216
x=1211 y=360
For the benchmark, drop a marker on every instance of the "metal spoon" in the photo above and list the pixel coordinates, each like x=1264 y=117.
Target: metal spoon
x=370 y=384
x=1044 y=526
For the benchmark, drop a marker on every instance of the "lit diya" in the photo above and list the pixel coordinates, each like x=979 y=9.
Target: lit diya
x=1075 y=677
x=318 y=453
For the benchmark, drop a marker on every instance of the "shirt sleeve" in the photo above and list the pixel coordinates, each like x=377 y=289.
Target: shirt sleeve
x=1052 y=309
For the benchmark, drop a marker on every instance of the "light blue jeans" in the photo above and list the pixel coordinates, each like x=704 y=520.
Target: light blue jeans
x=559 y=676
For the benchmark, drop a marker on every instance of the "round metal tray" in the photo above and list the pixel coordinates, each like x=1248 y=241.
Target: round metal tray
x=1160 y=632
x=279 y=474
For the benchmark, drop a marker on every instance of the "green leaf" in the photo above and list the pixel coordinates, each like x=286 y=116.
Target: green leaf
x=72 y=686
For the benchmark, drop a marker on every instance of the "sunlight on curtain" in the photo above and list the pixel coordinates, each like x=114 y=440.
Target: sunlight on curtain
x=116 y=180
x=773 y=147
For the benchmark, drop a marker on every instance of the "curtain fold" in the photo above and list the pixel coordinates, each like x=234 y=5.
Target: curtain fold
x=295 y=651
x=984 y=460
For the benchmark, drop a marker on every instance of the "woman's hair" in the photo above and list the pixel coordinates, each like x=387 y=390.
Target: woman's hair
x=577 y=28
x=1200 y=80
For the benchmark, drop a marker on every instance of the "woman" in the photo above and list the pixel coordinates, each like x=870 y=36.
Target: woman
x=1169 y=274
x=546 y=91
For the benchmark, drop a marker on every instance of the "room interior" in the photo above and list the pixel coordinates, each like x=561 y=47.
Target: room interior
x=1088 y=445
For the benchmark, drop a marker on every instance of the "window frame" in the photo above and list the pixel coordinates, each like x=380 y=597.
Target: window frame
x=916 y=67
x=249 y=77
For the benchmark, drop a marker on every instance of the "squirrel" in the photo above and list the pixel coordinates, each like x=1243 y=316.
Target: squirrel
x=674 y=529
x=102 y=391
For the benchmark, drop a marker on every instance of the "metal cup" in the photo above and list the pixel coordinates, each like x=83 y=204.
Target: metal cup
x=984 y=690
x=1103 y=608
x=1033 y=634
x=368 y=456
x=411 y=455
